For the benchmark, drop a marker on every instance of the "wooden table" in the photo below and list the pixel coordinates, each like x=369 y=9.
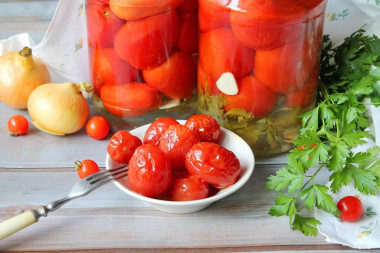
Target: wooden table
x=37 y=168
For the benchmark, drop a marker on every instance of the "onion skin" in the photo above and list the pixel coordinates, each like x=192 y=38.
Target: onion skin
x=59 y=108
x=20 y=74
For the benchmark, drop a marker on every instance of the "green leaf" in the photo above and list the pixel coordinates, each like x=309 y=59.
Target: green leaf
x=365 y=180
x=308 y=197
x=339 y=152
x=284 y=178
x=324 y=200
x=340 y=178
x=307 y=225
x=284 y=205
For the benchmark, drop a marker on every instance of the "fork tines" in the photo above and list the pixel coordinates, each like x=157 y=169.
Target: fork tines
x=114 y=173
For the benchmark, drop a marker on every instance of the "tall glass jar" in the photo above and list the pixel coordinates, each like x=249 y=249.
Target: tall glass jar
x=258 y=67
x=142 y=58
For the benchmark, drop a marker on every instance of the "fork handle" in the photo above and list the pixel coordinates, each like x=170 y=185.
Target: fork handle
x=17 y=223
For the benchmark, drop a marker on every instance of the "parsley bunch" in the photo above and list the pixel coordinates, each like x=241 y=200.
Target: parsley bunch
x=349 y=75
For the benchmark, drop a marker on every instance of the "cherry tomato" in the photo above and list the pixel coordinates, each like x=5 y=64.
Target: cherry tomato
x=220 y=51
x=133 y=98
x=146 y=42
x=268 y=24
x=203 y=78
x=214 y=164
x=175 y=78
x=138 y=9
x=253 y=96
x=187 y=187
x=351 y=208
x=157 y=129
x=102 y=25
x=149 y=172
x=18 y=125
x=122 y=145
x=176 y=141
x=188 y=35
x=86 y=168
x=213 y=14
x=207 y=128
x=98 y=127
x=108 y=68
x=286 y=68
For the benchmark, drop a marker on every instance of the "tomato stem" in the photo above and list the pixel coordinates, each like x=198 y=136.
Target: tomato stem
x=77 y=165
x=10 y=133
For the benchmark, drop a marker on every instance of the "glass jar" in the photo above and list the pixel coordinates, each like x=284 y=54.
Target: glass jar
x=142 y=59
x=258 y=67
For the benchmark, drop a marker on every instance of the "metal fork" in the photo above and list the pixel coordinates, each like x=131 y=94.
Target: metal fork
x=81 y=188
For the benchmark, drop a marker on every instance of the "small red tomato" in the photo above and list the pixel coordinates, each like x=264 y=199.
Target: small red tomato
x=98 y=127
x=220 y=51
x=214 y=164
x=351 y=208
x=86 y=168
x=188 y=187
x=253 y=96
x=149 y=172
x=156 y=130
x=176 y=77
x=102 y=24
x=18 y=125
x=176 y=142
x=122 y=146
x=207 y=128
x=205 y=78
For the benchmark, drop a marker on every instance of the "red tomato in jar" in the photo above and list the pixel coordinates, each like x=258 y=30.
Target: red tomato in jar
x=351 y=208
x=108 y=68
x=304 y=96
x=146 y=42
x=98 y=127
x=253 y=96
x=213 y=14
x=102 y=26
x=189 y=6
x=122 y=145
x=214 y=164
x=149 y=171
x=268 y=24
x=175 y=78
x=207 y=128
x=220 y=51
x=156 y=130
x=188 y=35
x=205 y=78
x=138 y=9
x=286 y=68
x=176 y=142
x=133 y=98
x=187 y=187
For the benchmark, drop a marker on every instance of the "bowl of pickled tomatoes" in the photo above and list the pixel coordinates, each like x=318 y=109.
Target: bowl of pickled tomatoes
x=180 y=166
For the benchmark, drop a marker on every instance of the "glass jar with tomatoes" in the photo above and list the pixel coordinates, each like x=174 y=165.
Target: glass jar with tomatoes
x=142 y=58
x=258 y=67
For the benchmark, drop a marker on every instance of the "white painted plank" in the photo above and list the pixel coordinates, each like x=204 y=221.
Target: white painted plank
x=108 y=218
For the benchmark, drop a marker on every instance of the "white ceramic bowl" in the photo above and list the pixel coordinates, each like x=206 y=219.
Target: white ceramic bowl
x=228 y=140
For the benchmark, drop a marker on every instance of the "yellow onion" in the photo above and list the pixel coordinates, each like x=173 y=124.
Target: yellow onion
x=20 y=74
x=59 y=108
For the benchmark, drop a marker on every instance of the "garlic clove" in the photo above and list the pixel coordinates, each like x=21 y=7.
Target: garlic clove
x=227 y=84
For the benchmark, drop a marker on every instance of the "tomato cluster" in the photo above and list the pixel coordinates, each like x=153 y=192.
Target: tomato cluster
x=176 y=162
x=141 y=50
x=271 y=47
